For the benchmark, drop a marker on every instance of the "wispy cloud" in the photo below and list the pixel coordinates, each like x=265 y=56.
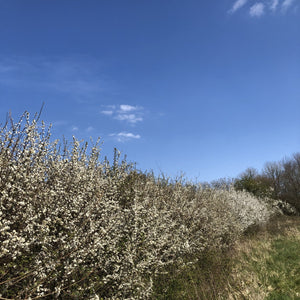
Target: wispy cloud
x=237 y=5
x=262 y=7
x=89 y=129
x=76 y=77
x=131 y=118
x=6 y=68
x=257 y=10
x=286 y=5
x=107 y=112
x=59 y=123
x=125 y=136
x=75 y=128
x=124 y=112
x=274 y=5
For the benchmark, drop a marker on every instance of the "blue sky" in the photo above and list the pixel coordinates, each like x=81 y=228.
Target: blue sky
x=207 y=88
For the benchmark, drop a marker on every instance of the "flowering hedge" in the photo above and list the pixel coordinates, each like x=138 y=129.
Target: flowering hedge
x=73 y=227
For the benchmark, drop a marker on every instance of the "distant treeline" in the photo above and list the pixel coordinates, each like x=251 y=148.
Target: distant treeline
x=277 y=180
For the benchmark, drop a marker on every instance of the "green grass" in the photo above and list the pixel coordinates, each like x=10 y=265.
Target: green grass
x=268 y=262
x=284 y=269
x=264 y=264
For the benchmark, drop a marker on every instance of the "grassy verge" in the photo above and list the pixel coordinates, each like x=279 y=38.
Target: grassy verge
x=203 y=280
x=264 y=264
x=268 y=262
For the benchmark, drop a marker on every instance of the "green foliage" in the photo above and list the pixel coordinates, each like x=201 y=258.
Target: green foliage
x=251 y=182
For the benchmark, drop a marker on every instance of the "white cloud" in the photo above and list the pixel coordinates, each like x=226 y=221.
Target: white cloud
x=237 y=5
x=257 y=10
x=131 y=118
x=129 y=135
x=124 y=112
x=274 y=4
x=286 y=4
x=125 y=136
x=127 y=108
x=75 y=128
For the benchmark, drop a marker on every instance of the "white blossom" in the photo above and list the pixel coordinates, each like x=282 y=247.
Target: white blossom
x=72 y=224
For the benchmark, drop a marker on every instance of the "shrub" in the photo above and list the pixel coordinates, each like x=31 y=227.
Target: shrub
x=74 y=227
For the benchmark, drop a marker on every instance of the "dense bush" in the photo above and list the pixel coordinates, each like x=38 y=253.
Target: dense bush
x=73 y=227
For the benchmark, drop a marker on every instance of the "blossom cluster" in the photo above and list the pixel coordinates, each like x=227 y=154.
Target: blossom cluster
x=75 y=227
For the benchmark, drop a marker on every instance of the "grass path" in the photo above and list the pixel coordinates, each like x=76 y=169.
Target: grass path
x=264 y=264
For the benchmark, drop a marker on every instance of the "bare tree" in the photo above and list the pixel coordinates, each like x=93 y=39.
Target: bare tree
x=273 y=171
